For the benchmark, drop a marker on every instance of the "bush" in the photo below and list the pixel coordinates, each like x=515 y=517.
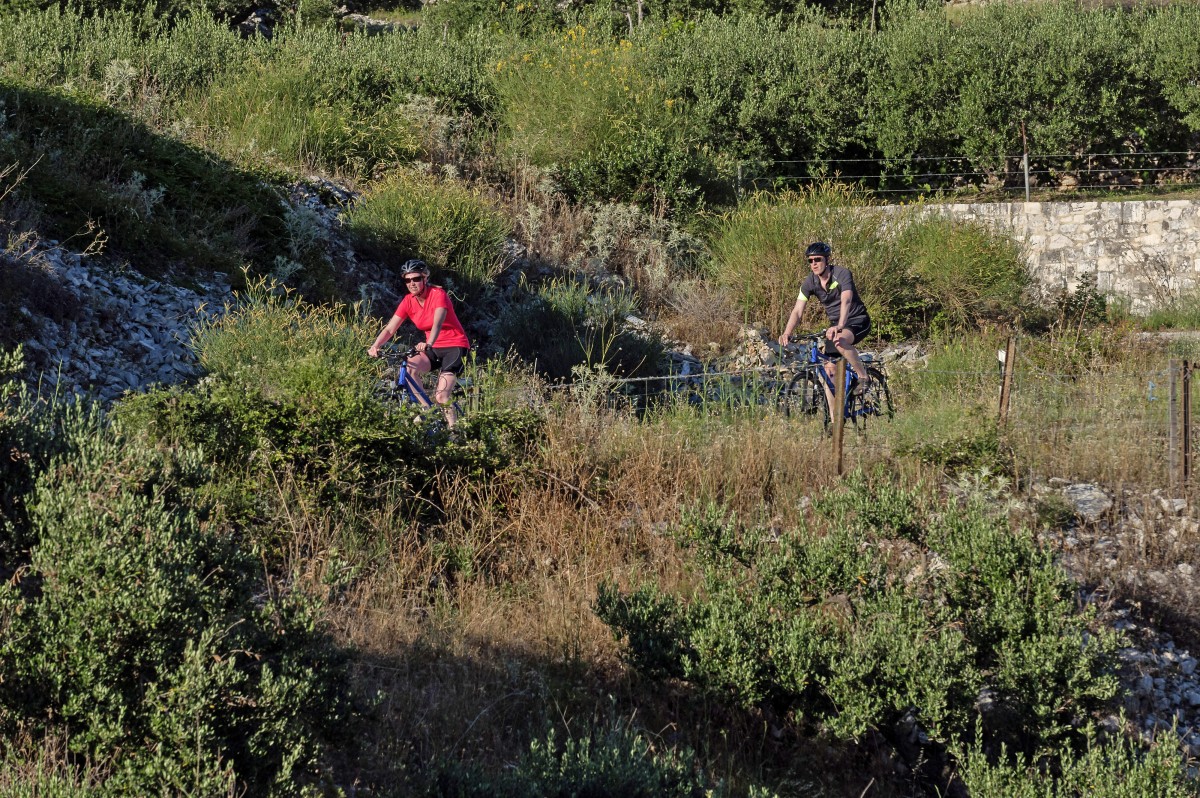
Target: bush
x=276 y=115
x=290 y=395
x=753 y=87
x=980 y=450
x=611 y=764
x=841 y=626
x=758 y=250
x=1117 y=770
x=591 y=108
x=959 y=274
x=563 y=324
x=157 y=201
x=151 y=639
x=526 y=18
x=1170 y=50
x=450 y=226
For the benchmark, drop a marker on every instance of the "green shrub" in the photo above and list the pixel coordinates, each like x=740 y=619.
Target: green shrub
x=1170 y=50
x=751 y=86
x=450 y=226
x=291 y=395
x=609 y=764
x=528 y=17
x=276 y=113
x=563 y=324
x=978 y=450
x=157 y=201
x=829 y=626
x=1117 y=770
x=153 y=640
x=959 y=273
x=758 y=250
x=591 y=108
x=1084 y=306
x=289 y=386
x=913 y=270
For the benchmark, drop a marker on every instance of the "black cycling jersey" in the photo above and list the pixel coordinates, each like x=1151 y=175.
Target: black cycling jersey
x=840 y=279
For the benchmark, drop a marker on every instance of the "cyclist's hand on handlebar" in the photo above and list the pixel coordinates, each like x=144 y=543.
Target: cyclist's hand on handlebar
x=784 y=340
x=373 y=351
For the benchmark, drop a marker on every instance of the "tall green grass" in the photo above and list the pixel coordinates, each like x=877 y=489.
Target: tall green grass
x=914 y=270
x=446 y=223
x=278 y=114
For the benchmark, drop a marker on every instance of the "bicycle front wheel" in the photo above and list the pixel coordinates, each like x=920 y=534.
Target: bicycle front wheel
x=804 y=397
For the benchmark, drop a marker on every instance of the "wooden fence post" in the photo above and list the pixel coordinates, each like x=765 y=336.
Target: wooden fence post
x=838 y=412
x=1010 y=362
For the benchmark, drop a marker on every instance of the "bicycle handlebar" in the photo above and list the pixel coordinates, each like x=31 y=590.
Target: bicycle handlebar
x=393 y=354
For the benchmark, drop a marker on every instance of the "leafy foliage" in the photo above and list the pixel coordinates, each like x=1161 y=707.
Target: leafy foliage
x=976 y=451
x=562 y=324
x=452 y=227
x=665 y=112
x=157 y=200
x=594 y=109
x=611 y=764
x=198 y=679
x=290 y=390
x=913 y=269
x=1118 y=770
x=894 y=606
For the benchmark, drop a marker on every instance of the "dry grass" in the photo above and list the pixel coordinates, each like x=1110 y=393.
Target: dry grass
x=552 y=228
x=706 y=318
x=478 y=631
x=476 y=628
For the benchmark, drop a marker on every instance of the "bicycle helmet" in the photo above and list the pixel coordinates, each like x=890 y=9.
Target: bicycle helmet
x=818 y=248
x=414 y=266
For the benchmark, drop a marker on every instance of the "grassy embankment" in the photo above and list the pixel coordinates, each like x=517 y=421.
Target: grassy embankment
x=458 y=581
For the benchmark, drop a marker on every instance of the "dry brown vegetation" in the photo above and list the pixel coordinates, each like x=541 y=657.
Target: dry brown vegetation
x=479 y=629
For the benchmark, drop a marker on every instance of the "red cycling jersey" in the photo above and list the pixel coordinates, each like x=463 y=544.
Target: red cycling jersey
x=452 y=332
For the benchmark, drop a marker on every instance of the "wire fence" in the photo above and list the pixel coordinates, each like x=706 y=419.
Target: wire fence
x=1116 y=426
x=999 y=175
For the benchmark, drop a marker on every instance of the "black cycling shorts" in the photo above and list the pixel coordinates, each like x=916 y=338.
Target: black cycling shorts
x=448 y=359
x=859 y=328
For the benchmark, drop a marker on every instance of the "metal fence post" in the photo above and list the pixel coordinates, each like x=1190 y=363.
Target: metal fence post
x=1025 y=158
x=838 y=413
x=1187 y=422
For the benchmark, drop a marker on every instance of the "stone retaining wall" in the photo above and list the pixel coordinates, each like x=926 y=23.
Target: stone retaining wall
x=1147 y=252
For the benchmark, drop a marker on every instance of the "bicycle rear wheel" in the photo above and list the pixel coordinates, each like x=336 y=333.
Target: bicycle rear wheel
x=804 y=397
x=875 y=402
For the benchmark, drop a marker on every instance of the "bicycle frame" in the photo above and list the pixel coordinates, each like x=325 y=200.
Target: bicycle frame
x=854 y=409
x=412 y=388
x=817 y=360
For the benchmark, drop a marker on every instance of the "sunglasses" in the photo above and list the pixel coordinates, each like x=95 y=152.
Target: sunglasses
x=414 y=279
x=815 y=260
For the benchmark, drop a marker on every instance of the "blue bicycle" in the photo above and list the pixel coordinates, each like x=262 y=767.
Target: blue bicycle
x=805 y=394
x=402 y=387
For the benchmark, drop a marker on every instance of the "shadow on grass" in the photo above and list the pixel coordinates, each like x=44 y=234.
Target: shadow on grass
x=443 y=716
x=153 y=200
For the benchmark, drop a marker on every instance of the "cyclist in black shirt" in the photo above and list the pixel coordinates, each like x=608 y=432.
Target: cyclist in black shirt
x=833 y=287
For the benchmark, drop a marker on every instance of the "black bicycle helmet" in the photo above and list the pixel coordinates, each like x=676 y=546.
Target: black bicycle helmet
x=414 y=266
x=818 y=248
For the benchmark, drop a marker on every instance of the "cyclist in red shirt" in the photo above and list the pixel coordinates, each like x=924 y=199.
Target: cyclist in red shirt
x=445 y=345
